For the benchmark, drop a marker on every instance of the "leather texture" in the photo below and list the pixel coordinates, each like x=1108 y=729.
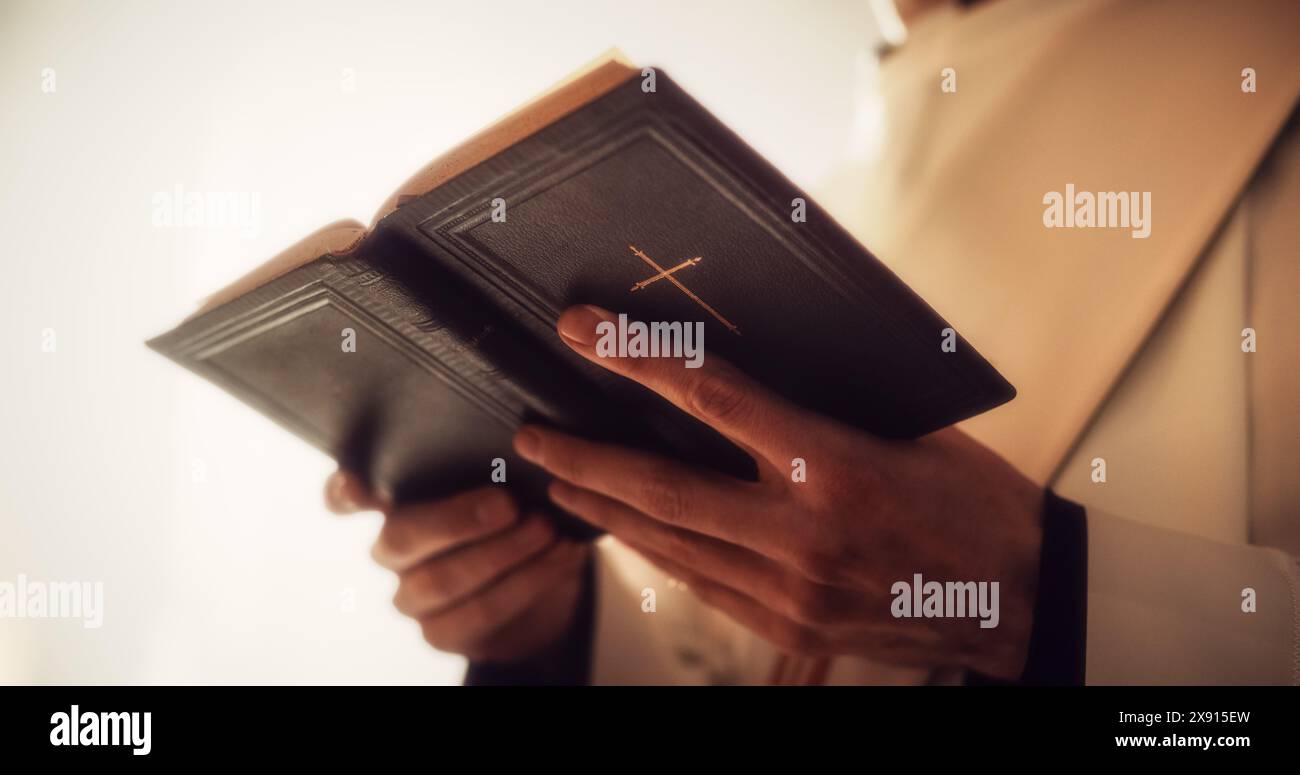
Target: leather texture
x=454 y=312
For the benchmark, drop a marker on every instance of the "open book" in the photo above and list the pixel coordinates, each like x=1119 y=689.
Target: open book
x=411 y=350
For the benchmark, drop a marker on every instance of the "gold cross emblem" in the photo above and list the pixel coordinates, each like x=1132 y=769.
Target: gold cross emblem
x=667 y=274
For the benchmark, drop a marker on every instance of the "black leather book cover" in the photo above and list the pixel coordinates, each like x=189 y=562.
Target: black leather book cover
x=453 y=311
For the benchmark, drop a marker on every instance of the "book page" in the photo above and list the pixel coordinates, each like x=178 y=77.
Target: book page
x=590 y=82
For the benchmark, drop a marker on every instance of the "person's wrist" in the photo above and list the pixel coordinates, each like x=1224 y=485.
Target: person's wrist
x=1002 y=652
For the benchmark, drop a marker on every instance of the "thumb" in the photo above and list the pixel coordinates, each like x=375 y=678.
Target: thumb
x=347 y=493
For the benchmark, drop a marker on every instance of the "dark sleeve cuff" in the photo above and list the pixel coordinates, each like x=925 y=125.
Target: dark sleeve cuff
x=566 y=663
x=1058 y=643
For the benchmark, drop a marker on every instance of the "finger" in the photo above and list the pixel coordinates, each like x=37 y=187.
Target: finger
x=716 y=393
x=448 y=579
x=412 y=534
x=783 y=633
x=459 y=628
x=347 y=493
x=540 y=625
x=656 y=486
x=745 y=571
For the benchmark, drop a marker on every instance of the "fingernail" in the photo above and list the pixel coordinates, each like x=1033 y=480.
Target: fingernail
x=578 y=324
x=338 y=494
x=528 y=443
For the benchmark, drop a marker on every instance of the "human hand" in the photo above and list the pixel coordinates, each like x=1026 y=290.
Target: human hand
x=480 y=581
x=810 y=565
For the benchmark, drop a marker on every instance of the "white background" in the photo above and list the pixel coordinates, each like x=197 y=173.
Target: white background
x=203 y=519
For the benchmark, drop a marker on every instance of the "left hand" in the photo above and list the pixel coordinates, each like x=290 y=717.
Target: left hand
x=810 y=565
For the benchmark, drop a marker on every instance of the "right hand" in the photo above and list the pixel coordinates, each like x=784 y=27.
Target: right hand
x=480 y=580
